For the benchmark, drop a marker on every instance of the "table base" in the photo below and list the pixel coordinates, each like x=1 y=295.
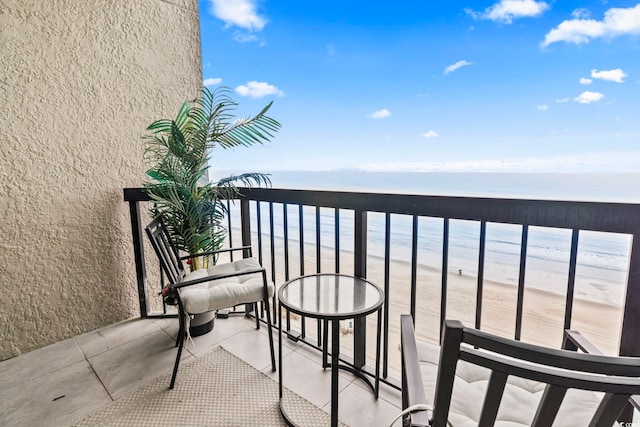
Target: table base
x=374 y=386
x=362 y=298
x=335 y=366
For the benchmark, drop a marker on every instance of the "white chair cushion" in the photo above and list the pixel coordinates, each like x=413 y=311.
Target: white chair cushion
x=224 y=293
x=519 y=402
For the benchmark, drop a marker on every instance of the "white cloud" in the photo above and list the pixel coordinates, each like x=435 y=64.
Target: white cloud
x=453 y=67
x=507 y=10
x=239 y=13
x=588 y=97
x=380 y=114
x=616 y=75
x=430 y=134
x=563 y=100
x=255 y=89
x=543 y=107
x=581 y=13
x=616 y=22
x=248 y=38
x=211 y=81
x=585 y=81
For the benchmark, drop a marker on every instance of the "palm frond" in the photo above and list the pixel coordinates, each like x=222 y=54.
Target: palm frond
x=247 y=179
x=179 y=154
x=248 y=131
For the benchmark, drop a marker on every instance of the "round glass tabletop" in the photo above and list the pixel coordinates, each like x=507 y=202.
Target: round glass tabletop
x=330 y=296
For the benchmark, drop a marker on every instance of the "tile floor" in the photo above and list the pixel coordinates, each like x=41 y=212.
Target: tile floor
x=59 y=384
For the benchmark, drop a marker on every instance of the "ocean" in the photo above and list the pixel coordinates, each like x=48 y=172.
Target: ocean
x=600 y=187
x=601 y=273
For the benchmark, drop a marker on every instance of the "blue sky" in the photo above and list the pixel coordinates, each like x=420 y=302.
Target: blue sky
x=416 y=85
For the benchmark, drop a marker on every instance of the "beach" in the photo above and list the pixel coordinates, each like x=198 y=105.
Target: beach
x=543 y=311
x=602 y=258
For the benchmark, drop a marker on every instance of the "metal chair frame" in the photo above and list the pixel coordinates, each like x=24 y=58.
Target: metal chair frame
x=560 y=370
x=172 y=264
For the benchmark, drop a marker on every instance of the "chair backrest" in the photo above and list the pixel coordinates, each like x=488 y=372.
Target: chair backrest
x=617 y=377
x=167 y=253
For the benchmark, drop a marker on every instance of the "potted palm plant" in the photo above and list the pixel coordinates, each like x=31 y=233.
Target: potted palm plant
x=179 y=153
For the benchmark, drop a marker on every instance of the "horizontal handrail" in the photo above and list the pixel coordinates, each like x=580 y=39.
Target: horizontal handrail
x=592 y=216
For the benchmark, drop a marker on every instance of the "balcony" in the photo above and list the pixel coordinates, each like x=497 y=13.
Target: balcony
x=296 y=232
x=75 y=109
x=61 y=383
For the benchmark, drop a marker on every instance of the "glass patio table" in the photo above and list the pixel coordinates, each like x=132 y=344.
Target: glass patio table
x=331 y=298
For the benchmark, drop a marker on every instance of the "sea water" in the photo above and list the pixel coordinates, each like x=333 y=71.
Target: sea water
x=603 y=258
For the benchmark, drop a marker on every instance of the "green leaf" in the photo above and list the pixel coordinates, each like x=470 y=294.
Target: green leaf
x=179 y=154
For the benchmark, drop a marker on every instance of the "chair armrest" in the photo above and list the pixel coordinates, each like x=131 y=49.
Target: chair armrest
x=412 y=387
x=218 y=251
x=219 y=276
x=574 y=340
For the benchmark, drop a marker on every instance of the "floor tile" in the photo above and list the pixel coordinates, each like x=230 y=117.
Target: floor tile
x=316 y=356
x=39 y=362
x=307 y=379
x=170 y=325
x=131 y=365
x=253 y=347
x=114 y=336
x=286 y=341
x=223 y=329
x=358 y=407
x=386 y=392
x=57 y=398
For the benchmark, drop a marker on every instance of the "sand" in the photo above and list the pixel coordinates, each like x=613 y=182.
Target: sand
x=543 y=312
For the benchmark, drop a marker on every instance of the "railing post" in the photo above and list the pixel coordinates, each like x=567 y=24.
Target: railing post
x=360 y=270
x=360 y=244
x=245 y=232
x=245 y=224
x=138 y=253
x=630 y=334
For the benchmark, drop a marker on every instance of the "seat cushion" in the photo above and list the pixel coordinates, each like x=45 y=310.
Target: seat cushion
x=224 y=293
x=519 y=402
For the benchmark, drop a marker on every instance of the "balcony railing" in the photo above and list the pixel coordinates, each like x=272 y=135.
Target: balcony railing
x=332 y=231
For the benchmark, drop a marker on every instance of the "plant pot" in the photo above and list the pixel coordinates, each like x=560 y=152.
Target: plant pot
x=201 y=323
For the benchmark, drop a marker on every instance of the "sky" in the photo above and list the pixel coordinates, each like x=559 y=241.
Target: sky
x=416 y=85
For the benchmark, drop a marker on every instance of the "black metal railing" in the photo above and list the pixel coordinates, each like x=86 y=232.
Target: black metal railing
x=256 y=212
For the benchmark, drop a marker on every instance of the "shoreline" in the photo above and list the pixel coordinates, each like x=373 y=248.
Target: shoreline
x=543 y=311
x=532 y=278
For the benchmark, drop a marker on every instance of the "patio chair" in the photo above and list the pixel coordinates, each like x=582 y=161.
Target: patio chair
x=218 y=287
x=479 y=379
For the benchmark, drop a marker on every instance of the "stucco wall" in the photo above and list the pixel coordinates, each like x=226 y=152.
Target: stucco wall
x=79 y=82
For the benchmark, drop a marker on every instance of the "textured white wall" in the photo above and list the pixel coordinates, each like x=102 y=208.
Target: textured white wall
x=79 y=82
